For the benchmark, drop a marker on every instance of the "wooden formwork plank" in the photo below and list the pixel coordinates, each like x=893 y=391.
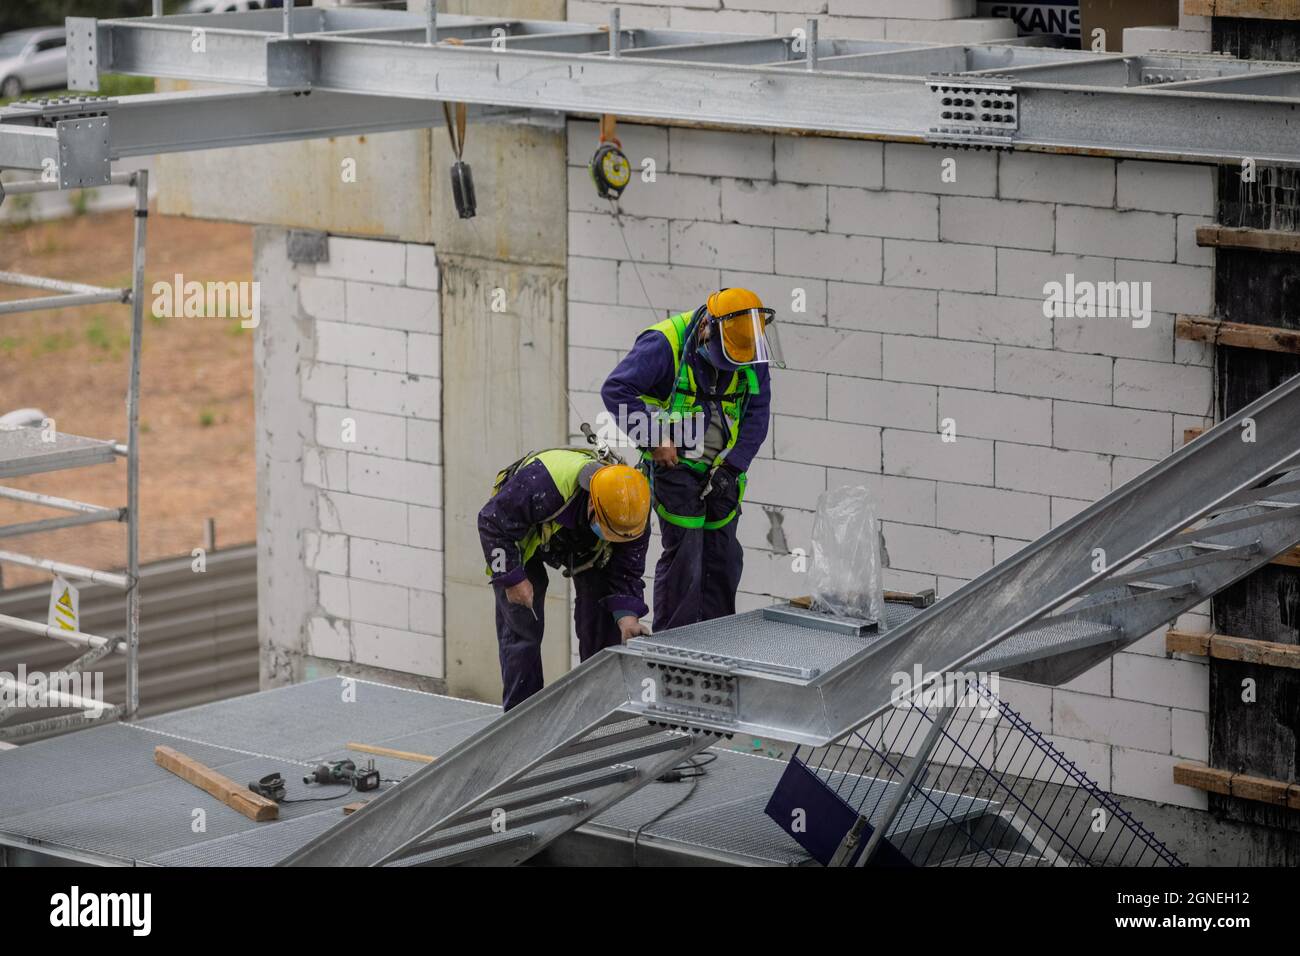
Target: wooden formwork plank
x=1239 y=237
x=1225 y=647
x=1201 y=328
x=390 y=752
x=241 y=799
x=1256 y=9
x=1187 y=642
x=1203 y=778
x=1288 y=559
x=1244 y=786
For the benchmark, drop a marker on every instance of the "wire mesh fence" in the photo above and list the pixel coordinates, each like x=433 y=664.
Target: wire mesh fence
x=955 y=777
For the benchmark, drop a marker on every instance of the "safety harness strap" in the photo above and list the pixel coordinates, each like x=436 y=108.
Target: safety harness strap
x=698 y=521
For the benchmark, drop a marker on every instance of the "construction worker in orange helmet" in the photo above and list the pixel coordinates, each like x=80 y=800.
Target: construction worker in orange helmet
x=573 y=510
x=710 y=367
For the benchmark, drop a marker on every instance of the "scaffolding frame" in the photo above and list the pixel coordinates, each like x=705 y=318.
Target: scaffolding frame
x=20 y=454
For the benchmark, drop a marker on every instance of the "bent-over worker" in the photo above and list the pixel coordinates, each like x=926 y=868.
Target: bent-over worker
x=568 y=509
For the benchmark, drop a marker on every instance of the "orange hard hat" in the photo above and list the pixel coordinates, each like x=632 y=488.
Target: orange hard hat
x=620 y=502
x=743 y=322
x=729 y=301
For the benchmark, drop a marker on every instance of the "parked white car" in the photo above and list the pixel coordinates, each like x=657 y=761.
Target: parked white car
x=221 y=6
x=33 y=60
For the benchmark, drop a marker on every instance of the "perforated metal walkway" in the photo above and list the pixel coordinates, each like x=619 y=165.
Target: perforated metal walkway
x=97 y=796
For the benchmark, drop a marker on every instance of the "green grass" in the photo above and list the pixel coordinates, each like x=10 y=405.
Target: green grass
x=105 y=339
x=21 y=206
x=55 y=342
x=80 y=200
x=97 y=333
x=207 y=418
x=110 y=84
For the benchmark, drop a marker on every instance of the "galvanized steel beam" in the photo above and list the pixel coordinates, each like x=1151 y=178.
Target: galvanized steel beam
x=1117 y=105
x=1273 y=82
x=749 y=50
x=25 y=147
x=155 y=123
x=1158 y=124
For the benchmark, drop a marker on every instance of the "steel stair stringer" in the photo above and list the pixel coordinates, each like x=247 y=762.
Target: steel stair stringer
x=1209 y=475
x=535 y=764
x=1245 y=550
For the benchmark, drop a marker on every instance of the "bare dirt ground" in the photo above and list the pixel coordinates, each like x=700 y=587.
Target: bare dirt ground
x=196 y=388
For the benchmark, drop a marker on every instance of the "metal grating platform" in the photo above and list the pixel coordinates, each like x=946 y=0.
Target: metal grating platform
x=756 y=643
x=752 y=641
x=23 y=451
x=97 y=795
x=1058 y=636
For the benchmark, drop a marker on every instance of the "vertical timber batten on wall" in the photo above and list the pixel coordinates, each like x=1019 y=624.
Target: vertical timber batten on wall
x=1262 y=288
x=1256 y=39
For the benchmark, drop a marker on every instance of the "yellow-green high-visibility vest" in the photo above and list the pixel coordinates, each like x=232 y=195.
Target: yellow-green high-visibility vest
x=683 y=402
x=564 y=465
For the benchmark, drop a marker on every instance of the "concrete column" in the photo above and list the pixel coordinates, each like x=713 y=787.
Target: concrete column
x=504 y=370
x=286 y=587
x=502 y=397
x=504 y=315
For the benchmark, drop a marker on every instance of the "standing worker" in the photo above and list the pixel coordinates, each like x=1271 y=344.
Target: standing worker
x=568 y=508
x=708 y=367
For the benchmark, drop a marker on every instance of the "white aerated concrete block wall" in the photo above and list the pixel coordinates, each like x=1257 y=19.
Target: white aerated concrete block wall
x=373 y=465
x=908 y=303
x=1157 y=39
x=935 y=21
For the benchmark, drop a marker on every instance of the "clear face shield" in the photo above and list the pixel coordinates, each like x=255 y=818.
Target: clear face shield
x=748 y=337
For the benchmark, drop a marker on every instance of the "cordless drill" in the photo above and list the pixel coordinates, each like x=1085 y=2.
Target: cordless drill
x=345 y=771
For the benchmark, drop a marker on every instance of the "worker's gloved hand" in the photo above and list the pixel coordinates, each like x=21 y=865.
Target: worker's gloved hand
x=521 y=593
x=629 y=627
x=726 y=484
x=665 y=455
